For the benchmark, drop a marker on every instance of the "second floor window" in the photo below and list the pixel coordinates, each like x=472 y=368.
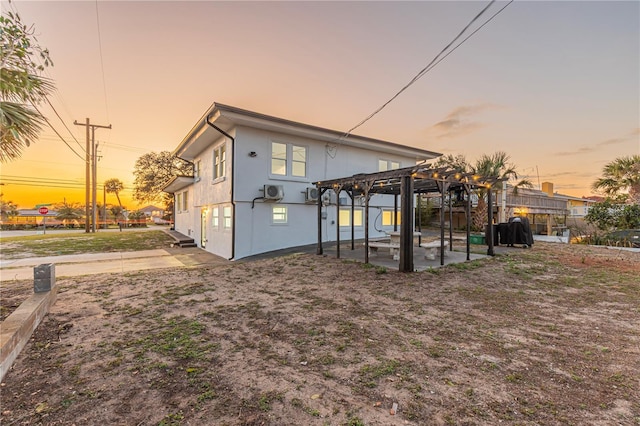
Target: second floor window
x=219 y=159
x=196 y=170
x=288 y=160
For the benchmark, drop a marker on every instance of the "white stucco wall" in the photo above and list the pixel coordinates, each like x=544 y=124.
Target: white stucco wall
x=255 y=231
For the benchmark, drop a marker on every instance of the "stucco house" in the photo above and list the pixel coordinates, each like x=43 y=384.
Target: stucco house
x=252 y=189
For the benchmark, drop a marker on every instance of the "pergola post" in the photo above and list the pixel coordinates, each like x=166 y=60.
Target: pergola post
x=450 y=222
x=406 y=224
x=366 y=223
x=319 y=250
x=338 y=190
x=395 y=212
x=353 y=209
x=489 y=232
x=467 y=214
x=443 y=186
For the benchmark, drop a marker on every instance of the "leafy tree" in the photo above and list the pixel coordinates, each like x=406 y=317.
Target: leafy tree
x=114 y=186
x=601 y=215
x=8 y=209
x=629 y=217
x=22 y=86
x=619 y=176
x=116 y=211
x=153 y=171
x=614 y=214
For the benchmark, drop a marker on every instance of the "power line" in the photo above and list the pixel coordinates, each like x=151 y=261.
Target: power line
x=104 y=84
x=124 y=147
x=435 y=61
x=63 y=123
x=53 y=184
x=56 y=132
x=39 y=179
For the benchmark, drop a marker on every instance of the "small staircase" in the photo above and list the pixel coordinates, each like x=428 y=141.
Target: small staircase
x=181 y=239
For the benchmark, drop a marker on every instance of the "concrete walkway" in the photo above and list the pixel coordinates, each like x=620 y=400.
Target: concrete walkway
x=101 y=263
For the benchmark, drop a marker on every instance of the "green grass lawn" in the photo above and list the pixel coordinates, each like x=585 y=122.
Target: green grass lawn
x=74 y=243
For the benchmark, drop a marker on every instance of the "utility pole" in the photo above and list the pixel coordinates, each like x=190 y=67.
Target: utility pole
x=90 y=156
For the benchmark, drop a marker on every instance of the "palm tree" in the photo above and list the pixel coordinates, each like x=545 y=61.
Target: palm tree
x=21 y=87
x=620 y=175
x=495 y=166
x=114 y=186
x=69 y=212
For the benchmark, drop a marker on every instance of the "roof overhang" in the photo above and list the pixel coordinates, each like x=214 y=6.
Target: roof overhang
x=178 y=183
x=227 y=117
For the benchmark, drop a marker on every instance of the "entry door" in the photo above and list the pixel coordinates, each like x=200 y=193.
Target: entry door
x=203 y=228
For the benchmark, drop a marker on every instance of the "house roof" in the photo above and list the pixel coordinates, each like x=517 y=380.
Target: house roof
x=227 y=117
x=151 y=208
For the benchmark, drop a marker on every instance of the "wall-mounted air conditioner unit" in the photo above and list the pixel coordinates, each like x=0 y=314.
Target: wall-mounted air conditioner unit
x=273 y=192
x=311 y=195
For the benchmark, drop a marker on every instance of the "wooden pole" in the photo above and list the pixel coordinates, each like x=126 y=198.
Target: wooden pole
x=406 y=224
x=87 y=180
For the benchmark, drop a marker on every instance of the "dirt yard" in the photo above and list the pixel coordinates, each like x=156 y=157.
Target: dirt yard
x=548 y=335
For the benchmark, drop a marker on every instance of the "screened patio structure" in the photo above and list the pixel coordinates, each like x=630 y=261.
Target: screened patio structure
x=405 y=183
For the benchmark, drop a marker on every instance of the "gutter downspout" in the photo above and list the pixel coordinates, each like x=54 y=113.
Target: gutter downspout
x=233 y=201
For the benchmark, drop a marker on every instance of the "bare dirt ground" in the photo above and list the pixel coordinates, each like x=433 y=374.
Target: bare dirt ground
x=549 y=335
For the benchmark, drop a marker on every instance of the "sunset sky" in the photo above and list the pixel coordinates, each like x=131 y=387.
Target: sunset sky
x=554 y=84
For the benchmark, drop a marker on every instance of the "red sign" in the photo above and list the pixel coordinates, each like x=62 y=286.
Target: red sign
x=43 y=210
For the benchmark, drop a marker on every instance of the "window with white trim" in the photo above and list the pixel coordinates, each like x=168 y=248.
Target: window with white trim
x=226 y=217
x=197 y=169
x=215 y=218
x=384 y=165
x=345 y=217
x=387 y=218
x=279 y=214
x=185 y=201
x=288 y=159
x=219 y=160
x=179 y=202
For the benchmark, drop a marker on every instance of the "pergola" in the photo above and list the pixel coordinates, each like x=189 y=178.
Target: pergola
x=405 y=182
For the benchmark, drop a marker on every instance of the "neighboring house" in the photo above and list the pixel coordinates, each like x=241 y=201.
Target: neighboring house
x=577 y=207
x=546 y=210
x=152 y=211
x=252 y=189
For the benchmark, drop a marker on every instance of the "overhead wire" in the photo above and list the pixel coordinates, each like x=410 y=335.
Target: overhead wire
x=422 y=72
x=104 y=83
x=59 y=135
x=433 y=63
x=64 y=124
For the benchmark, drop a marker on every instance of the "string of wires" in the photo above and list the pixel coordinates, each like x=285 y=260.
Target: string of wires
x=51 y=183
x=434 y=62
